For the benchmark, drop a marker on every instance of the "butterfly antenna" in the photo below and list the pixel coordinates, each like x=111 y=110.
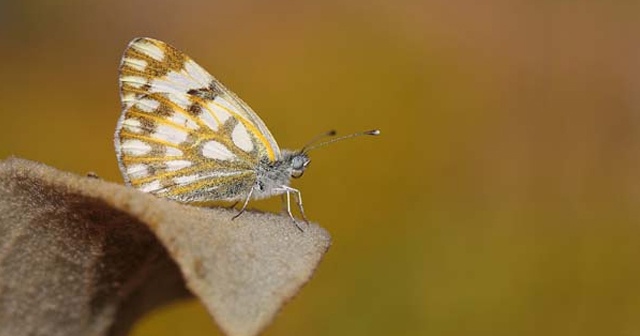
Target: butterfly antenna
x=322 y=144
x=318 y=137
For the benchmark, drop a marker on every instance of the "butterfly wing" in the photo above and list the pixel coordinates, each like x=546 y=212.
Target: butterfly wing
x=182 y=134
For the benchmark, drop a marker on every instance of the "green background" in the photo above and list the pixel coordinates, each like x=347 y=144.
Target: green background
x=501 y=199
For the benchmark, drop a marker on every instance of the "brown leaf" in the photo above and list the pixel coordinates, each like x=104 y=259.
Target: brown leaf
x=81 y=256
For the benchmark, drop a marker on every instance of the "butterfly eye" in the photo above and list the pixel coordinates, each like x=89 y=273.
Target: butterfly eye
x=299 y=162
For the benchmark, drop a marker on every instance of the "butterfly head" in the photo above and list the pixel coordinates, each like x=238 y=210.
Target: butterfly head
x=297 y=162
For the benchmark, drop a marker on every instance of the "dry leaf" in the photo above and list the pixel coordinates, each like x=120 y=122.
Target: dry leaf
x=81 y=256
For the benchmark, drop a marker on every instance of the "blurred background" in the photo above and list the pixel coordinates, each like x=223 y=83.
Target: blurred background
x=501 y=199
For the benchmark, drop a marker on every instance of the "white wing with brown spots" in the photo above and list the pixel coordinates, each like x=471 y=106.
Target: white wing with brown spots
x=182 y=134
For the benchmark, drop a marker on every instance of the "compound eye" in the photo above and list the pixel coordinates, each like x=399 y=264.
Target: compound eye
x=297 y=173
x=298 y=163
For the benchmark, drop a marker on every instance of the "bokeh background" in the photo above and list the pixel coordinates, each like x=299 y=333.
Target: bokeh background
x=501 y=199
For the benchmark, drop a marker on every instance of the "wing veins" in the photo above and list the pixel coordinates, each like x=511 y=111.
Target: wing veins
x=247 y=123
x=128 y=134
x=173 y=106
x=145 y=159
x=160 y=120
x=171 y=174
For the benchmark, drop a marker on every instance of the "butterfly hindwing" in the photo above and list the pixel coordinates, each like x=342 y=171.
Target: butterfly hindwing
x=182 y=134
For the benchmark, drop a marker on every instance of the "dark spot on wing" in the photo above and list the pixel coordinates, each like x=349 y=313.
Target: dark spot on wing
x=148 y=125
x=164 y=110
x=210 y=92
x=204 y=93
x=195 y=109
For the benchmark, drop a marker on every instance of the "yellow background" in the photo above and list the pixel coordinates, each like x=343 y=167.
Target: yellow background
x=501 y=199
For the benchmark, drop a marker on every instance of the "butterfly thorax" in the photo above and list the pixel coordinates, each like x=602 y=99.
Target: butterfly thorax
x=271 y=176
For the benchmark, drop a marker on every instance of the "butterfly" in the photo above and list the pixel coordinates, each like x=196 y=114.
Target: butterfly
x=184 y=136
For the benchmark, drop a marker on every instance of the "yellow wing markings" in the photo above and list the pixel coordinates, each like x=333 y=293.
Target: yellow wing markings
x=159 y=119
x=192 y=170
x=167 y=175
x=172 y=106
x=161 y=97
x=169 y=57
x=127 y=160
x=195 y=80
x=241 y=155
x=249 y=126
x=157 y=65
x=202 y=134
x=215 y=117
x=227 y=142
x=252 y=128
x=148 y=139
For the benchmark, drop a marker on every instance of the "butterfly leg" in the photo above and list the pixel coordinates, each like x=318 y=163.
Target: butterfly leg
x=288 y=190
x=299 y=202
x=287 y=193
x=244 y=206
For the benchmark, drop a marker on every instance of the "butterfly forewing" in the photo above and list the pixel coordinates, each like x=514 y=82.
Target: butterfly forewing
x=182 y=134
